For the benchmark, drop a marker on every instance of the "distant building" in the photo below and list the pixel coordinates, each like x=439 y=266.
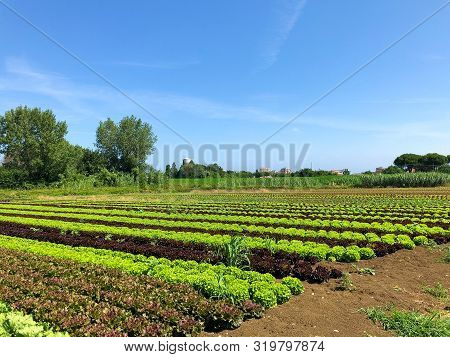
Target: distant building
x=379 y=170
x=265 y=170
x=5 y=160
x=186 y=161
x=285 y=171
x=337 y=172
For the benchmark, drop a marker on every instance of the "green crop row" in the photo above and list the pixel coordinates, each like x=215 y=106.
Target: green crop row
x=288 y=209
x=303 y=249
x=17 y=324
x=217 y=281
x=268 y=221
x=262 y=231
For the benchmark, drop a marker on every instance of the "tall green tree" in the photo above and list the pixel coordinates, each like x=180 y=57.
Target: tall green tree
x=393 y=170
x=407 y=161
x=107 y=143
x=136 y=142
x=127 y=145
x=91 y=162
x=432 y=161
x=174 y=170
x=168 y=172
x=33 y=140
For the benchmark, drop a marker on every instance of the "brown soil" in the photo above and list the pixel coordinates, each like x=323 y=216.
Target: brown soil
x=323 y=311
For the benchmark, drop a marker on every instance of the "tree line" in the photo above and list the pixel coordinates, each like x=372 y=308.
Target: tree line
x=35 y=149
x=36 y=152
x=419 y=163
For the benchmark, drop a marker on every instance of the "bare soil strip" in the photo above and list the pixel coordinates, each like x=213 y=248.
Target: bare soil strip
x=323 y=311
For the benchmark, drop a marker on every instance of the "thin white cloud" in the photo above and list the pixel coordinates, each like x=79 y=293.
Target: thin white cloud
x=82 y=101
x=288 y=16
x=21 y=78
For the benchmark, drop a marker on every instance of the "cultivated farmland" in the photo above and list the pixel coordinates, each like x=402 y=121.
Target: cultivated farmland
x=196 y=263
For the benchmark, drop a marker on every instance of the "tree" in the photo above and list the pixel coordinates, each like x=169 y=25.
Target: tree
x=92 y=162
x=444 y=168
x=173 y=170
x=33 y=140
x=168 y=171
x=125 y=146
x=135 y=142
x=393 y=170
x=407 y=161
x=431 y=161
x=107 y=143
x=214 y=170
x=192 y=170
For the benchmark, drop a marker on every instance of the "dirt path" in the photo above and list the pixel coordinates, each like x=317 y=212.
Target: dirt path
x=323 y=311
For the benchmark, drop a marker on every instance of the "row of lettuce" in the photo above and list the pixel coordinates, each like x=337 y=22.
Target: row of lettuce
x=94 y=292
x=215 y=281
x=90 y=300
x=288 y=238
x=321 y=220
x=17 y=324
x=49 y=289
x=304 y=250
x=287 y=209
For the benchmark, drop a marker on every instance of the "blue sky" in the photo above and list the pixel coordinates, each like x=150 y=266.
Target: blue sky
x=235 y=71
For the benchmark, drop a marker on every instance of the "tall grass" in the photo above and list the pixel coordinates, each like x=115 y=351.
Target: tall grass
x=233 y=183
x=125 y=184
x=419 y=179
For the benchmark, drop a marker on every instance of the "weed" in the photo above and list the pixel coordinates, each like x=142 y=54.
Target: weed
x=364 y=271
x=446 y=258
x=410 y=323
x=438 y=291
x=108 y=237
x=346 y=283
x=235 y=253
x=270 y=245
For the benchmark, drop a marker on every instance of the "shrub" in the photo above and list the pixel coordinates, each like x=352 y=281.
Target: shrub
x=12 y=178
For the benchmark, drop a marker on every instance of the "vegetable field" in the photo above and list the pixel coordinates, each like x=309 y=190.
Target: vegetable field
x=189 y=263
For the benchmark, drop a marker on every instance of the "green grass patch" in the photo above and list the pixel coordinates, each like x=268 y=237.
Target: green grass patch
x=410 y=323
x=438 y=291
